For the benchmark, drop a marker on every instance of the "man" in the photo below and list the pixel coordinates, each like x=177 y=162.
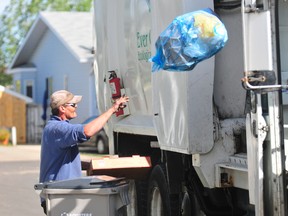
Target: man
x=60 y=158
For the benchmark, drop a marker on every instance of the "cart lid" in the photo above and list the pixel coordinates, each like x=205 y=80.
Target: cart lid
x=89 y=182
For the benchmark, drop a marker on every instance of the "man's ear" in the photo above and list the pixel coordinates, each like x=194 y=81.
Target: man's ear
x=62 y=109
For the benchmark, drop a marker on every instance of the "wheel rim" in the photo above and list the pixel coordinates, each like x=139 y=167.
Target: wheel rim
x=100 y=146
x=132 y=207
x=186 y=205
x=156 y=203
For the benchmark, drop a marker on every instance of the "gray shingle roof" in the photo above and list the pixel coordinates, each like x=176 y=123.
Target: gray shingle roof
x=74 y=30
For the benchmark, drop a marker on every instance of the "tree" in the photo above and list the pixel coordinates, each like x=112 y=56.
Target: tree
x=17 y=19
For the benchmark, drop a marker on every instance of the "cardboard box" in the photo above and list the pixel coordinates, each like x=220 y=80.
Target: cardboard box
x=135 y=167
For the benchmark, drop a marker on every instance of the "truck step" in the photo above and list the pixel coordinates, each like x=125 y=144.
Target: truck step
x=239 y=161
x=233 y=173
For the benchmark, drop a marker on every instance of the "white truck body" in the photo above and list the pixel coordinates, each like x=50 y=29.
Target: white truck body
x=232 y=137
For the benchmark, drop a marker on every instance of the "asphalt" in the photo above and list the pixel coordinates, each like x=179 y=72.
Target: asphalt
x=19 y=172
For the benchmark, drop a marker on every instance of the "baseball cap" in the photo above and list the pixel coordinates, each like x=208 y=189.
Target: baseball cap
x=62 y=97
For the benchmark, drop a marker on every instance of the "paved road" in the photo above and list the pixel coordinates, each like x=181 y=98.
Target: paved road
x=19 y=170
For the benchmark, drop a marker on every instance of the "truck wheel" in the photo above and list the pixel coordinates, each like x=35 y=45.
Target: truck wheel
x=160 y=202
x=132 y=207
x=190 y=205
x=138 y=200
x=186 y=205
x=101 y=146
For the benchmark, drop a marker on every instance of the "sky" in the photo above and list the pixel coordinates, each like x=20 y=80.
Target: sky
x=3 y=4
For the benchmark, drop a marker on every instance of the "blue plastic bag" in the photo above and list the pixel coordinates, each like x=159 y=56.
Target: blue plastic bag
x=189 y=39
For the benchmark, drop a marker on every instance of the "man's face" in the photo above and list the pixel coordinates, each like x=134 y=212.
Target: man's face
x=70 y=110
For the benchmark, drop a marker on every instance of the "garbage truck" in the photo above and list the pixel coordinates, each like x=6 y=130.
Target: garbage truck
x=215 y=134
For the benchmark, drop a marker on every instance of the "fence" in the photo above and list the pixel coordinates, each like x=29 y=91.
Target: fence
x=12 y=114
x=35 y=123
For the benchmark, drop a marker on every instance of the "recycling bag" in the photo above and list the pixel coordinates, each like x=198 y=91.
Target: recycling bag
x=188 y=40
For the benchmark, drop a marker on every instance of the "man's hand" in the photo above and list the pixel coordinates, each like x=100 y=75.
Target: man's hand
x=120 y=103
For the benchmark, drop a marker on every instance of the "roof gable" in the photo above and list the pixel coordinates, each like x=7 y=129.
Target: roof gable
x=73 y=29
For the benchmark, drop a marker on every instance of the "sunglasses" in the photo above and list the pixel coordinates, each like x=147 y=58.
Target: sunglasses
x=71 y=104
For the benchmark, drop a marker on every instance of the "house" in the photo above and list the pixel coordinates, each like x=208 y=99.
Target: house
x=57 y=54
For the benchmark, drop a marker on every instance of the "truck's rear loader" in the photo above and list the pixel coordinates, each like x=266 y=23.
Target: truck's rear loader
x=215 y=135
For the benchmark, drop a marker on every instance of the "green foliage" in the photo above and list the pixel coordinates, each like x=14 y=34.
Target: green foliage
x=5 y=79
x=17 y=19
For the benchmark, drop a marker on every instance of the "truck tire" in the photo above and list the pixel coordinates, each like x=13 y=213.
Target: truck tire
x=186 y=205
x=132 y=207
x=101 y=145
x=138 y=198
x=160 y=202
x=190 y=205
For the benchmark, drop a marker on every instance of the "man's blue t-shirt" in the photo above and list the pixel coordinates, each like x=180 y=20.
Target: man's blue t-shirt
x=60 y=158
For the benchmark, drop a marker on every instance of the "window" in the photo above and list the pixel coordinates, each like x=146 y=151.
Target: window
x=18 y=86
x=29 y=91
x=29 y=88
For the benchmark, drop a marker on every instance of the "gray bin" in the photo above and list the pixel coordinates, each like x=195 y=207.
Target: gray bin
x=86 y=196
